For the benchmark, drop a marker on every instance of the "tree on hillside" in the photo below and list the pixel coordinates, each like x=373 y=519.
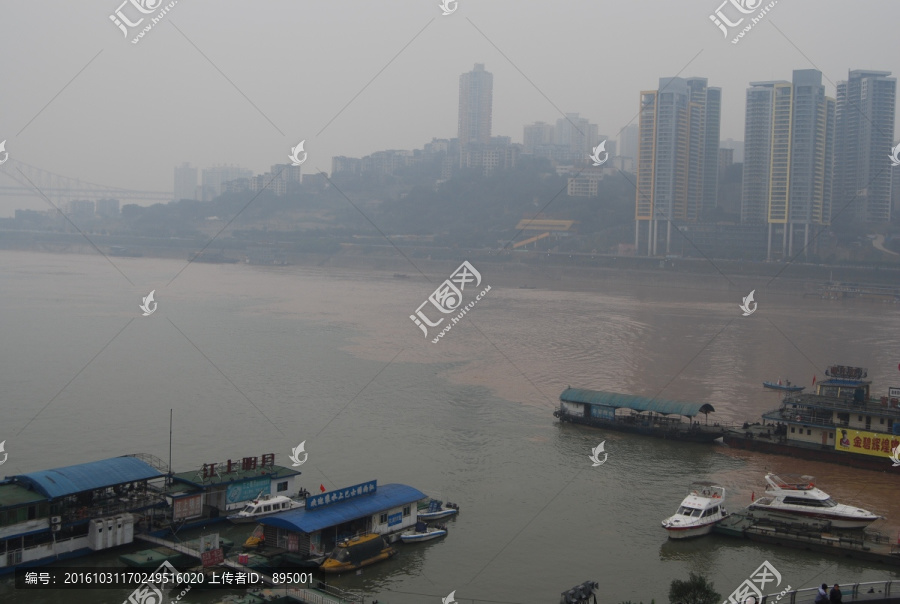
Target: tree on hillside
x=696 y=590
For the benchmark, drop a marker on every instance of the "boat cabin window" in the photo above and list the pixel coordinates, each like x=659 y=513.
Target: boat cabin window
x=267 y=508
x=382 y=519
x=813 y=503
x=686 y=511
x=281 y=486
x=250 y=509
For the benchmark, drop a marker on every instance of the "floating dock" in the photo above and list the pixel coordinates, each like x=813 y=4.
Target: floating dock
x=865 y=544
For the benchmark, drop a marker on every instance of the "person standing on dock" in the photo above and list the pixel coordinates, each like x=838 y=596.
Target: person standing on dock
x=822 y=595
x=835 y=595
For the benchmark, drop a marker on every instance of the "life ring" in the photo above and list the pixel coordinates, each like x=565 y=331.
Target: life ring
x=716 y=496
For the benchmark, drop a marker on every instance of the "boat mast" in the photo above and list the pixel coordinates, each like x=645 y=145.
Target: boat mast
x=169 y=473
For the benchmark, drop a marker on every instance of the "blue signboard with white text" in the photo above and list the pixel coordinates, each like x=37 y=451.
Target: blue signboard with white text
x=249 y=489
x=314 y=502
x=395 y=519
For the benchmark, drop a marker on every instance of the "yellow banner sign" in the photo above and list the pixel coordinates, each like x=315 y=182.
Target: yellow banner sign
x=867 y=443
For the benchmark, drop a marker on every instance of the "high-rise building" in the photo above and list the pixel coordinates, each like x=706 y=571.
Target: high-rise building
x=788 y=151
x=628 y=141
x=215 y=178
x=185 y=182
x=864 y=119
x=677 y=157
x=576 y=135
x=475 y=101
x=537 y=134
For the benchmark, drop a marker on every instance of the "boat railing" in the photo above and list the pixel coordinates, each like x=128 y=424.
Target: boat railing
x=111 y=507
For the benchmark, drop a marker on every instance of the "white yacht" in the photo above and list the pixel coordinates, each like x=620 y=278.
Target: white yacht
x=796 y=498
x=264 y=505
x=698 y=513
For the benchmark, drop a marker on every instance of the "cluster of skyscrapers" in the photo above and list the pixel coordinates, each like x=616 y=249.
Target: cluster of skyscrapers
x=810 y=160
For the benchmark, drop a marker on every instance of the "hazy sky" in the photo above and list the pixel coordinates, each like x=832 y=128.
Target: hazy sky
x=242 y=82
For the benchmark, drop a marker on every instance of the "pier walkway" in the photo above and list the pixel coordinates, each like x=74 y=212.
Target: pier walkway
x=860 y=544
x=321 y=594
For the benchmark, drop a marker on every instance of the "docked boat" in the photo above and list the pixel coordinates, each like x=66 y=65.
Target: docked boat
x=786 y=387
x=637 y=414
x=423 y=532
x=436 y=510
x=356 y=553
x=264 y=505
x=842 y=422
x=698 y=513
x=797 y=497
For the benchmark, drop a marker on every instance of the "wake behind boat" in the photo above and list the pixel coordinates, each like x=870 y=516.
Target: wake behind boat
x=797 y=497
x=699 y=512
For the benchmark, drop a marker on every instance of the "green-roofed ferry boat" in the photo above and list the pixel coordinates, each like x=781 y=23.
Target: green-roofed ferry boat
x=637 y=414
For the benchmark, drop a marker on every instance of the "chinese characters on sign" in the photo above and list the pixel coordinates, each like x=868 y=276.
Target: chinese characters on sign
x=246 y=464
x=867 y=443
x=316 y=501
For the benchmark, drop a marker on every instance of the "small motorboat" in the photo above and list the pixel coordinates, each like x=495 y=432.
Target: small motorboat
x=436 y=510
x=699 y=512
x=797 y=497
x=264 y=505
x=786 y=386
x=357 y=552
x=423 y=532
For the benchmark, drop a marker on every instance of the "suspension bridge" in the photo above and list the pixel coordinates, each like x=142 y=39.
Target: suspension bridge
x=31 y=181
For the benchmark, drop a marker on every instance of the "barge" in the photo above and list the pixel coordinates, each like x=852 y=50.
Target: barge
x=636 y=414
x=841 y=423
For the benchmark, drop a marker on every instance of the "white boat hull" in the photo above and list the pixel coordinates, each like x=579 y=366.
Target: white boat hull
x=798 y=516
x=436 y=515
x=686 y=532
x=417 y=537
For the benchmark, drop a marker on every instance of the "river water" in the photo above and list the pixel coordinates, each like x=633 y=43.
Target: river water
x=256 y=359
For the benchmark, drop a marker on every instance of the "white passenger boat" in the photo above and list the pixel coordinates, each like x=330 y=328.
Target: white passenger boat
x=699 y=512
x=264 y=505
x=797 y=498
x=423 y=532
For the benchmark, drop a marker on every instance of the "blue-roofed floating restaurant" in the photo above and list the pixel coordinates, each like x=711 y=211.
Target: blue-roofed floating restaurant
x=330 y=518
x=72 y=511
x=637 y=414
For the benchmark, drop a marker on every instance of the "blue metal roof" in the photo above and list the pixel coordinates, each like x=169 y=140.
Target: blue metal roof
x=637 y=403
x=308 y=521
x=88 y=476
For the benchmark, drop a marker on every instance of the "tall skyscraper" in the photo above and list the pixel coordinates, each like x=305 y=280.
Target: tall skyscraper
x=678 y=149
x=788 y=153
x=865 y=130
x=476 y=93
x=628 y=141
x=185 y=182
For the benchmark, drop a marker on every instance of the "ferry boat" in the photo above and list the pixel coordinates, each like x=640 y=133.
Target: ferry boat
x=787 y=386
x=356 y=553
x=636 y=414
x=264 y=505
x=841 y=423
x=795 y=497
x=698 y=513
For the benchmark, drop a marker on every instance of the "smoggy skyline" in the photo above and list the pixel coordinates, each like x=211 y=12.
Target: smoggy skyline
x=230 y=82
